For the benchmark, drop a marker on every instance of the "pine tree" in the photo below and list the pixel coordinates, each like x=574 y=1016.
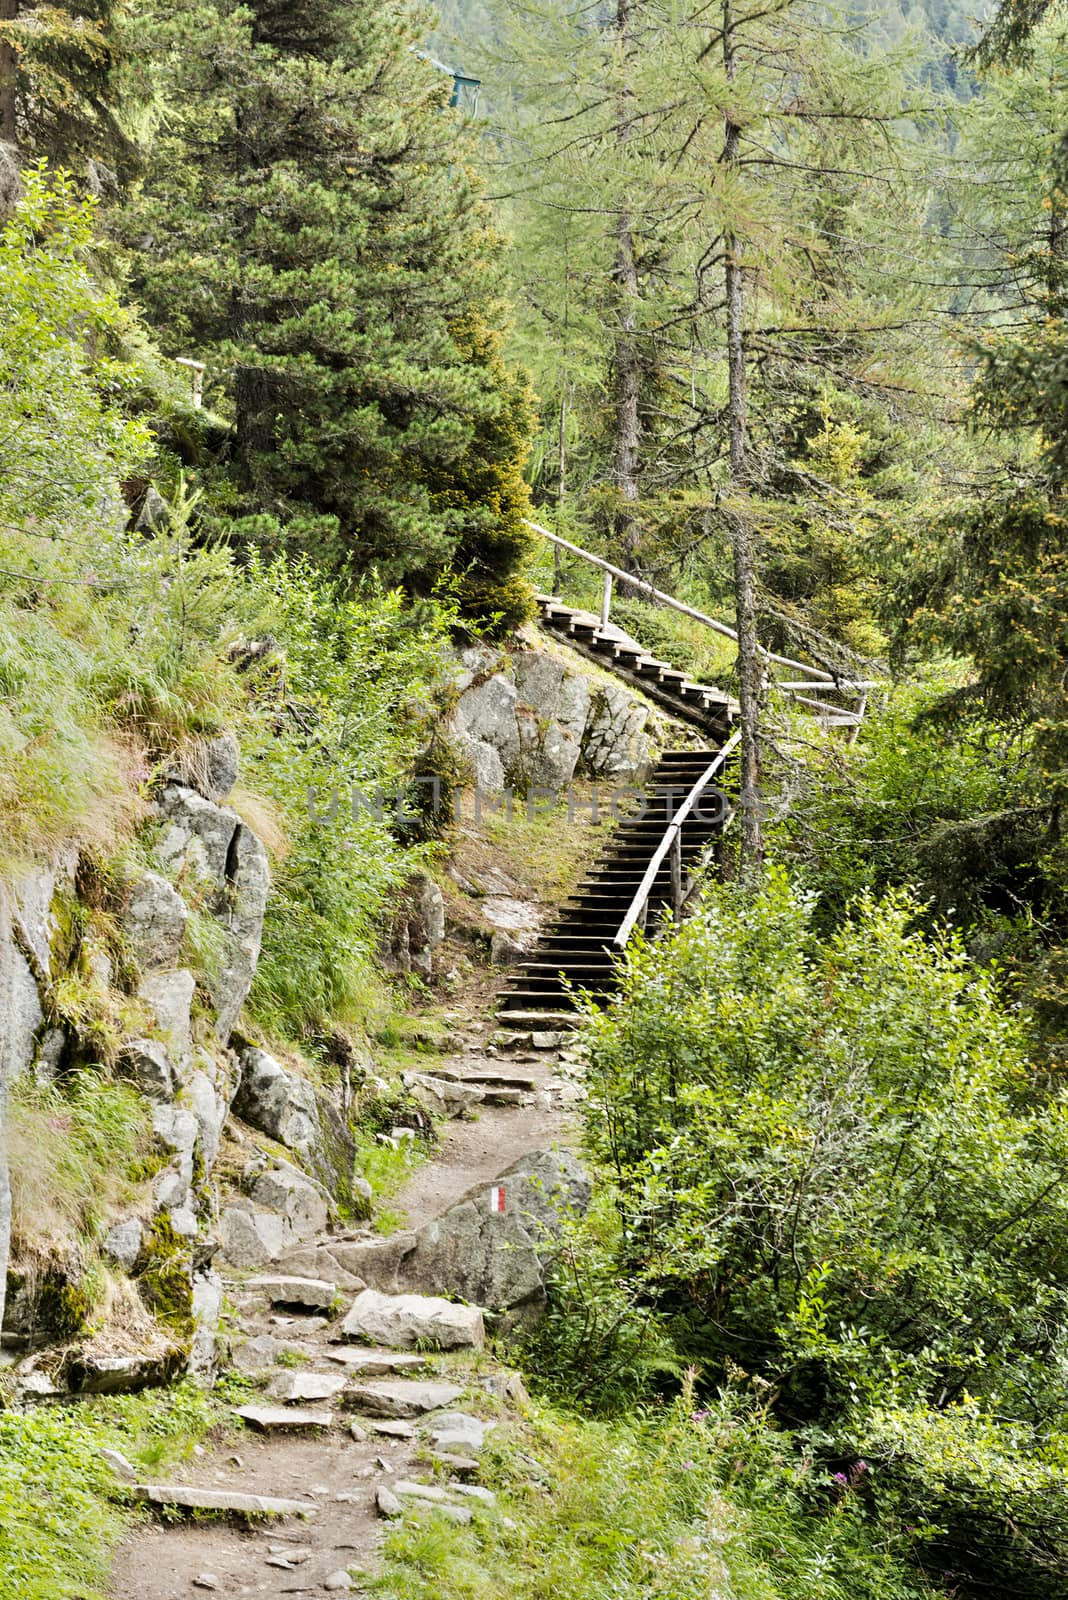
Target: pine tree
x=311 y=226
x=61 y=86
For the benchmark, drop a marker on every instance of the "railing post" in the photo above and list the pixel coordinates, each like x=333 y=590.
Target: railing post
x=676 y=874
x=606 y=599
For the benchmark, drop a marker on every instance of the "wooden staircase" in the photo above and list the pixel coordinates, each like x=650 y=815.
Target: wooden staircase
x=700 y=704
x=580 y=946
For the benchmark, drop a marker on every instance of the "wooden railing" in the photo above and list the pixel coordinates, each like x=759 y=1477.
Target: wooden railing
x=671 y=845
x=814 y=680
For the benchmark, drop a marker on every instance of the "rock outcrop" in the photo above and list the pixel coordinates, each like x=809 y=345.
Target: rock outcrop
x=530 y=719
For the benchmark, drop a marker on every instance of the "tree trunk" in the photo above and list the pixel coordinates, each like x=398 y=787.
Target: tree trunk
x=750 y=665
x=625 y=353
x=9 y=132
x=561 y=484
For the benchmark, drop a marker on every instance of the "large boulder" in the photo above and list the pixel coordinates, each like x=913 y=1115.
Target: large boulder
x=551 y=716
x=406 y=1321
x=620 y=734
x=495 y=1258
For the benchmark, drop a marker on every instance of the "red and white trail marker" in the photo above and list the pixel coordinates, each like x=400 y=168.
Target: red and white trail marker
x=497 y=1198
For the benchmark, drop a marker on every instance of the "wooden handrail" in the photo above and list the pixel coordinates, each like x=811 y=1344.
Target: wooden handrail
x=674 y=828
x=826 y=678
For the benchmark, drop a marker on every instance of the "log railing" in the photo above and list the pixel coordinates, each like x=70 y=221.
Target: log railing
x=814 y=679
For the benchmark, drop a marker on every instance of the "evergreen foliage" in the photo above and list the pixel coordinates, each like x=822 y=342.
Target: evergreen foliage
x=311 y=226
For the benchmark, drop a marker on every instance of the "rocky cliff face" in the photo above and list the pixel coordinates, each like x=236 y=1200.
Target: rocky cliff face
x=176 y=1013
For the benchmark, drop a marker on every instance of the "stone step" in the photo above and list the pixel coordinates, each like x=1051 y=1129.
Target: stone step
x=403 y=1398
x=375 y=1363
x=275 y=1419
x=311 y=1294
x=225 y=1502
x=403 y=1320
x=300 y=1388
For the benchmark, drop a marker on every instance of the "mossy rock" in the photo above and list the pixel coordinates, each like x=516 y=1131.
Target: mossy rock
x=164 y=1276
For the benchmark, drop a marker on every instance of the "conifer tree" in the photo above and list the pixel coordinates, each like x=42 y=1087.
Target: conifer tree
x=311 y=226
x=61 y=85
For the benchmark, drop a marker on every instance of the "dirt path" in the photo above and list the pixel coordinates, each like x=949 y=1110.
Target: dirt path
x=339 y=1472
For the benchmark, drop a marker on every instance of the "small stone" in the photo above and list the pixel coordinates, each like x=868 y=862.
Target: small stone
x=474 y=1491
x=281 y=1561
x=339 y=1580
x=382 y=1464
x=205 y=1580
x=393 y=1430
x=387 y=1503
x=358 y=1433
x=420 y=1491
x=119 y=1465
x=122 y=1243
x=456 y=1428
x=454 y=1463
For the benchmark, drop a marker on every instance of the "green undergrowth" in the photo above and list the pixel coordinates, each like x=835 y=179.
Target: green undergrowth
x=674 y=1503
x=61 y=1507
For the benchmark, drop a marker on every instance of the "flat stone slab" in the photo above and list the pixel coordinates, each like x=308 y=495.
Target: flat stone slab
x=456 y=1430
x=402 y=1398
x=225 y=1501
x=315 y=1293
x=270 y=1419
x=296 y=1388
x=393 y=1430
x=375 y=1363
x=404 y=1320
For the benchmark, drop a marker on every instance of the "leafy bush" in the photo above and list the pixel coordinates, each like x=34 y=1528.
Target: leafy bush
x=836 y=1172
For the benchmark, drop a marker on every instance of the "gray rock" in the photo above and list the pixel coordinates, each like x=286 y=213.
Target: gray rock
x=122 y=1243
x=153 y=922
x=50 y=1047
x=374 y=1363
x=387 y=1503
x=207 y=1310
x=474 y=1491
x=242 y=916
x=401 y=1398
x=119 y=1465
x=616 y=742
x=487 y=768
x=339 y=1580
x=249 y=1239
x=194 y=844
x=209 y=1107
x=311 y=1293
x=222 y=1500
x=406 y=1320
x=169 y=997
x=303 y=1388
x=486 y=713
x=259 y=1354
x=23 y=1016
x=457 y=1430
x=146 y=1063
x=488 y=1258
x=276 y=1102
x=297 y=1198
x=92 y=1374
x=393 y=1429
x=206 y=1580
x=551 y=719
x=446 y=1096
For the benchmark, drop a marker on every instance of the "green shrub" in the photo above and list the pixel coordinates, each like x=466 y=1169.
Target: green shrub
x=836 y=1171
